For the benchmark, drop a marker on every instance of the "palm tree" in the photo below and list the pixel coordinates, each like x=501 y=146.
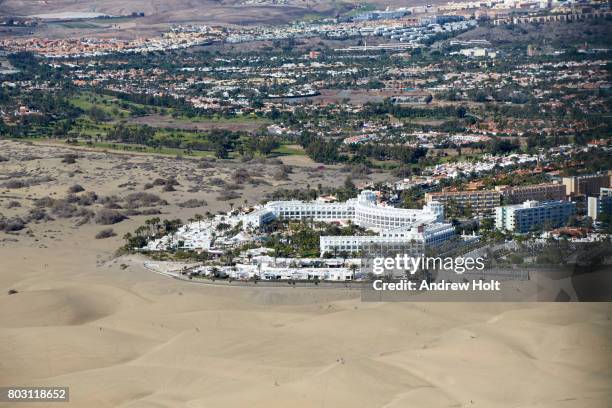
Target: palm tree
x=141 y=231
x=127 y=237
x=353 y=269
x=198 y=218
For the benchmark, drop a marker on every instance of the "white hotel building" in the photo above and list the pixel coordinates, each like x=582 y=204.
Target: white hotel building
x=418 y=237
x=395 y=226
x=532 y=215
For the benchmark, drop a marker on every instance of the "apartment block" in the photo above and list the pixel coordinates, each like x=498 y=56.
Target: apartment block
x=481 y=201
x=602 y=205
x=587 y=185
x=533 y=215
x=536 y=192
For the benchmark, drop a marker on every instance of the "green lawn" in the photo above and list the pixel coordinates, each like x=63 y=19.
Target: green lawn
x=221 y=120
x=284 y=150
x=145 y=149
x=109 y=105
x=115 y=108
x=288 y=150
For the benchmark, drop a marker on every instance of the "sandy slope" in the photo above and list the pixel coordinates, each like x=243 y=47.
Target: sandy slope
x=131 y=338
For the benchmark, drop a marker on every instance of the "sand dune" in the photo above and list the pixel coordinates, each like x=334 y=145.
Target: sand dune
x=121 y=336
x=195 y=345
x=65 y=307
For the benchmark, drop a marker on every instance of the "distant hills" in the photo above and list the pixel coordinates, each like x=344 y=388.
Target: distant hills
x=205 y=11
x=170 y=11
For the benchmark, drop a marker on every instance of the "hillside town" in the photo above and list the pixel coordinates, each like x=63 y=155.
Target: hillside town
x=453 y=135
x=415 y=26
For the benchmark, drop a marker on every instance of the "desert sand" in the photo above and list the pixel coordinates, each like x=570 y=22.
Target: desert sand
x=121 y=336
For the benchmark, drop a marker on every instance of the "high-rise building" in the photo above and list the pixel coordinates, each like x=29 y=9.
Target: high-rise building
x=598 y=206
x=588 y=184
x=532 y=215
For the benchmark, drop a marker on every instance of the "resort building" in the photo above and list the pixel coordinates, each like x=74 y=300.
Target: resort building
x=258 y=218
x=363 y=211
x=587 y=185
x=395 y=227
x=270 y=270
x=536 y=192
x=316 y=211
x=416 y=237
x=532 y=215
x=481 y=201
